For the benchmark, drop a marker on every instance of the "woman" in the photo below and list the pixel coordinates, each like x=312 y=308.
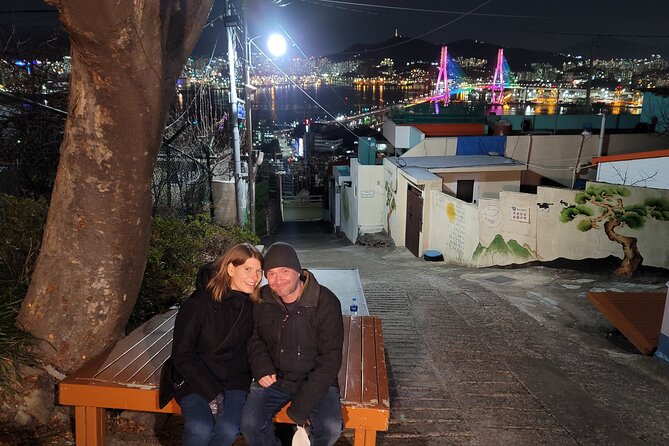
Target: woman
x=209 y=347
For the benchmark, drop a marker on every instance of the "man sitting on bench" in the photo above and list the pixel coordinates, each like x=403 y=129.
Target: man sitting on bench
x=295 y=353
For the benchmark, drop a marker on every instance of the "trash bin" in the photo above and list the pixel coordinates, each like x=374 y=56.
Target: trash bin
x=432 y=255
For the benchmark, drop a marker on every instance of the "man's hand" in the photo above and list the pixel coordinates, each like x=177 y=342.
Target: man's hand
x=267 y=380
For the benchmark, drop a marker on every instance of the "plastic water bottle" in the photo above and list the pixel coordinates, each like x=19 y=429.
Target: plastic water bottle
x=354 y=306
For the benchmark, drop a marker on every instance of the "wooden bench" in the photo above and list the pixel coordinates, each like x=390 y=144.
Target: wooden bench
x=126 y=377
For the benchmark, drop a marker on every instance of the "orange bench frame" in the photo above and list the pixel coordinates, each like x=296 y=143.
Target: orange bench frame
x=126 y=377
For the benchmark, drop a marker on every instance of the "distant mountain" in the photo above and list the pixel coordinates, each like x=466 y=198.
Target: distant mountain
x=404 y=50
x=517 y=58
x=612 y=48
x=400 y=49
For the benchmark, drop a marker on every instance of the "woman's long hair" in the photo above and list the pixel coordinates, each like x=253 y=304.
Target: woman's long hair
x=219 y=285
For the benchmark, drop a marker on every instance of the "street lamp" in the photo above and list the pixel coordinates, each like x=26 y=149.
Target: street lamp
x=277 y=46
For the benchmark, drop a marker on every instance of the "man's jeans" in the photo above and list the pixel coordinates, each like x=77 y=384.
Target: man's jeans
x=263 y=403
x=201 y=428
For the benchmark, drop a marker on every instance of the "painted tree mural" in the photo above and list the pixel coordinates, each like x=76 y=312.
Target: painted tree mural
x=614 y=216
x=390 y=204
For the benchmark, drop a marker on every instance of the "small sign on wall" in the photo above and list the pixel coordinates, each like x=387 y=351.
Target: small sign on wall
x=520 y=214
x=366 y=194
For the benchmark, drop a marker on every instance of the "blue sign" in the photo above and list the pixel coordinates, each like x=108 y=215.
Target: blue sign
x=241 y=111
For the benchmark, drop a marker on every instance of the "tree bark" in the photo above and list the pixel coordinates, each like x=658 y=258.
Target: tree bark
x=126 y=56
x=632 y=258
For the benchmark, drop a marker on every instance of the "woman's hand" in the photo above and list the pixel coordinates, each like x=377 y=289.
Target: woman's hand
x=267 y=380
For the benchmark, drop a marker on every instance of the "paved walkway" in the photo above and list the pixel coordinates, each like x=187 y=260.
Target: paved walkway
x=494 y=356
x=500 y=356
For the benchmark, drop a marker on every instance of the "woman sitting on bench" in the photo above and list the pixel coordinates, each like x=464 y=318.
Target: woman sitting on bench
x=209 y=347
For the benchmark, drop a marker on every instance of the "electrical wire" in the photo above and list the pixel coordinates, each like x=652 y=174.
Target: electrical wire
x=431 y=11
x=433 y=30
x=303 y=90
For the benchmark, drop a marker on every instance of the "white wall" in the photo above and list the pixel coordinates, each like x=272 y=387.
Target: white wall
x=443 y=146
x=520 y=228
x=455 y=227
x=402 y=136
x=363 y=202
x=395 y=186
x=370 y=195
x=513 y=217
x=225 y=210
x=349 y=211
x=555 y=156
x=648 y=172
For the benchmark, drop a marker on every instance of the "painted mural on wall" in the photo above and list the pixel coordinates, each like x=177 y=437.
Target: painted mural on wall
x=501 y=252
x=391 y=204
x=602 y=207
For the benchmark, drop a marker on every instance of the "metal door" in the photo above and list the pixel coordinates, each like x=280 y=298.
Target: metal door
x=414 y=220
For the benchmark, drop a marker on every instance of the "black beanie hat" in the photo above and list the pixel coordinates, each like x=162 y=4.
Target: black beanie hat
x=281 y=255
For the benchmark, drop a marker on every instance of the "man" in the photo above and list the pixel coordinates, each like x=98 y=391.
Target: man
x=295 y=353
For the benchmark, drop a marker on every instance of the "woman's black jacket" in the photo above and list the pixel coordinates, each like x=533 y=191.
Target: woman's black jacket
x=207 y=365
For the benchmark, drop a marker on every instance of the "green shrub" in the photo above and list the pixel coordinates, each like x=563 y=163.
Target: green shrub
x=179 y=247
x=21 y=227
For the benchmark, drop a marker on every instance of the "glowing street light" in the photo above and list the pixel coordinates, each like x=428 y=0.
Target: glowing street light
x=276 y=45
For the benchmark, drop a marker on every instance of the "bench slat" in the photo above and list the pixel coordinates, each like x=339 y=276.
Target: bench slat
x=370 y=390
x=341 y=378
x=131 y=353
x=353 y=389
x=381 y=369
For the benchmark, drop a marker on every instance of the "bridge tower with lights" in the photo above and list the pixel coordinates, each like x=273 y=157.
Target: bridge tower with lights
x=441 y=90
x=497 y=86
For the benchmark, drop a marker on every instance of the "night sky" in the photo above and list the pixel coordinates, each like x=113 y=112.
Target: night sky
x=322 y=27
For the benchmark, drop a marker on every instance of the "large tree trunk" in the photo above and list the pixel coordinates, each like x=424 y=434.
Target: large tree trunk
x=632 y=258
x=126 y=56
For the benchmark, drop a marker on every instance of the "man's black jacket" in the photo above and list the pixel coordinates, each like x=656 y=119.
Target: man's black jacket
x=302 y=346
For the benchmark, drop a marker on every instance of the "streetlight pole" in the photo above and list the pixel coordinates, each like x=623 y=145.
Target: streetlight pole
x=234 y=111
x=249 y=125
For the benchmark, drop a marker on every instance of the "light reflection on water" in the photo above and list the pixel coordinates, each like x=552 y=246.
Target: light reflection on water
x=287 y=103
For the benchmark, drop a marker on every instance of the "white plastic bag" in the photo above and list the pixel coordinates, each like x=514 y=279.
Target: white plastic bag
x=301 y=438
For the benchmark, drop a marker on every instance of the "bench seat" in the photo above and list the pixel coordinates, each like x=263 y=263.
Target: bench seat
x=126 y=377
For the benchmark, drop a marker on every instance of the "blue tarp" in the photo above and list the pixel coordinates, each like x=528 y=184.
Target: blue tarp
x=480 y=145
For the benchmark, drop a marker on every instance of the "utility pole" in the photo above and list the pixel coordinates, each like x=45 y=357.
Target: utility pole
x=231 y=22
x=249 y=124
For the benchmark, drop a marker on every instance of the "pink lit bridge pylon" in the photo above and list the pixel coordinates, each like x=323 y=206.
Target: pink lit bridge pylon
x=442 y=90
x=497 y=86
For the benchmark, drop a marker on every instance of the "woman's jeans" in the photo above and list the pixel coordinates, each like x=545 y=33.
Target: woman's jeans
x=263 y=403
x=201 y=428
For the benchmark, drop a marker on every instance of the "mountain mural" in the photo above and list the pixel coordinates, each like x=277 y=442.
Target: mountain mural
x=500 y=252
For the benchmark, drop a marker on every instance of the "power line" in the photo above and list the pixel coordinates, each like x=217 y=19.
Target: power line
x=302 y=89
x=432 y=11
x=462 y=16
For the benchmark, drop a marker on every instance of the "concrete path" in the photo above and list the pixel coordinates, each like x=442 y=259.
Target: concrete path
x=500 y=356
